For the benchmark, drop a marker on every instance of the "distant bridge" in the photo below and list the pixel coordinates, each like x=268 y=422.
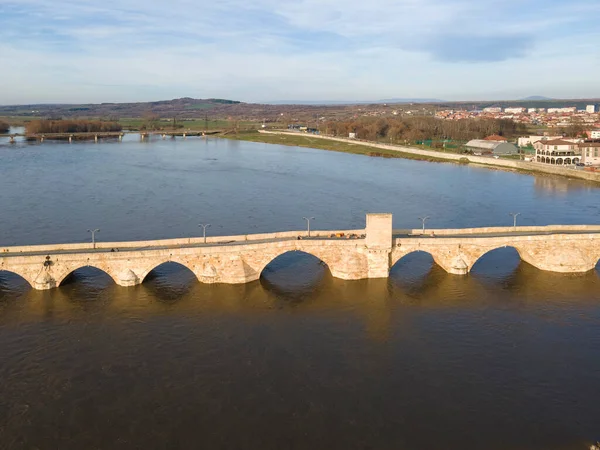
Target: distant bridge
x=349 y=254
x=106 y=135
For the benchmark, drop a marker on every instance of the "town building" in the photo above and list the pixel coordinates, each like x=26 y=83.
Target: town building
x=595 y=134
x=492 y=109
x=557 y=152
x=526 y=141
x=568 y=109
x=591 y=109
x=514 y=110
x=483 y=147
x=589 y=153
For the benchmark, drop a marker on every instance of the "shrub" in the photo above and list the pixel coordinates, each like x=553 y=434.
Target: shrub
x=71 y=126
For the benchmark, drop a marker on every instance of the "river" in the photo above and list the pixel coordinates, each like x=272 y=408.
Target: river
x=506 y=357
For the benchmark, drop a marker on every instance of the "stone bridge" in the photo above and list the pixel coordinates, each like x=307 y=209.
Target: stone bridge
x=349 y=254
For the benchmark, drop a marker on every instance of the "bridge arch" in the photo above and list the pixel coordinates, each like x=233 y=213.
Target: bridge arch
x=344 y=262
x=289 y=254
x=65 y=275
x=6 y=275
x=412 y=268
x=294 y=274
x=397 y=259
x=498 y=259
x=172 y=264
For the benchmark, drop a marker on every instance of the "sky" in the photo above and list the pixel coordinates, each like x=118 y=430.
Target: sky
x=79 y=51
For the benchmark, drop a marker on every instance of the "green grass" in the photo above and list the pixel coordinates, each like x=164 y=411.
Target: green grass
x=195 y=124
x=16 y=121
x=324 y=144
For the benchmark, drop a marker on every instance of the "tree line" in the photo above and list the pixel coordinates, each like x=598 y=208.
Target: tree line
x=413 y=129
x=4 y=127
x=71 y=126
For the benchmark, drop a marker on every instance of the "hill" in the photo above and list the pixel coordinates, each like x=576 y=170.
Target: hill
x=535 y=98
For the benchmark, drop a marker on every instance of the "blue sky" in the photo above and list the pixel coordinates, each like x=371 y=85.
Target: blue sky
x=266 y=50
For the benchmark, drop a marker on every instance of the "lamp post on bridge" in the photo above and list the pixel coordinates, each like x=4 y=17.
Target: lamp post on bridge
x=94 y=231
x=514 y=215
x=308 y=219
x=204 y=227
x=423 y=220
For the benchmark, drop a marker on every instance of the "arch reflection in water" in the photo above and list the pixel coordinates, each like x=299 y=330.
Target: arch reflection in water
x=417 y=279
x=88 y=289
x=295 y=276
x=89 y=276
x=498 y=264
x=416 y=272
x=12 y=282
x=170 y=281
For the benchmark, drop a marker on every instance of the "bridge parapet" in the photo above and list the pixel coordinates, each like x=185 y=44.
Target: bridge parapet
x=215 y=240
x=498 y=230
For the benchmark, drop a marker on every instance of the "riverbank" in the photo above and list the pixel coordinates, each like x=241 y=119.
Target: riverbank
x=317 y=142
x=397 y=151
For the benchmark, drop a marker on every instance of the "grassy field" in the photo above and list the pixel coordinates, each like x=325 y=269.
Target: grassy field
x=195 y=124
x=17 y=121
x=322 y=144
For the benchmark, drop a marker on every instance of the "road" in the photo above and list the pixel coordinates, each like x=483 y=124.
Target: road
x=226 y=243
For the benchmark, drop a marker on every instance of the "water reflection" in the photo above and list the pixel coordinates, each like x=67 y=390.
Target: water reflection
x=302 y=282
x=551 y=186
x=170 y=282
x=295 y=277
x=401 y=355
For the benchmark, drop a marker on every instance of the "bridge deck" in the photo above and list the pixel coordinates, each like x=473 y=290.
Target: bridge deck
x=398 y=237
x=105 y=134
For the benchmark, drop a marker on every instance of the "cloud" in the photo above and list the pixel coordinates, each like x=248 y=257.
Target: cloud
x=473 y=48
x=73 y=50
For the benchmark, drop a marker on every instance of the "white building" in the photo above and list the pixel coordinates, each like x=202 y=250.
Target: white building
x=492 y=109
x=590 y=109
x=569 y=109
x=514 y=110
x=531 y=110
x=589 y=153
x=525 y=141
x=483 y=147
x=557 y=152
x=595 y=134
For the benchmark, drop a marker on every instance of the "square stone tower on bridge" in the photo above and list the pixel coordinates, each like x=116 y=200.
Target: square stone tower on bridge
x=379 y=244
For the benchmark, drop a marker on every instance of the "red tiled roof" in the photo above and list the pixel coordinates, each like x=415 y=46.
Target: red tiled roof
x=495 y=137
x=555 y=142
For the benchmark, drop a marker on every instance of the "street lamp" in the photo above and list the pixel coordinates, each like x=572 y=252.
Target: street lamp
x=514 y=215
x=308 y=219
x=423 y=220
x=94 y=231
x=204 y=227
